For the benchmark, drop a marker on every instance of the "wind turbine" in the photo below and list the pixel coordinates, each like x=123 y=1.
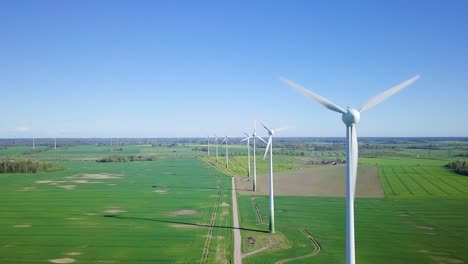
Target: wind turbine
x=208 y=141
x=216 y=142
x=247 y=139
x=350 y=118
x=55 y=143
x=269 y=146
x=227 y=151
x=34 y=143
x=254 y=136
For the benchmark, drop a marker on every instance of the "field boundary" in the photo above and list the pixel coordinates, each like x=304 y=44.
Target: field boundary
x=316 y=244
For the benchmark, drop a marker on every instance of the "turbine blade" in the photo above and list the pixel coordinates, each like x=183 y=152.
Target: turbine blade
x=354 y=159
x=265 y=126
x=244 y=139
x=261 y=139
x=245 y=133
x=383 y=96
x=267 y=147
x=319 y=99
x=223 y=141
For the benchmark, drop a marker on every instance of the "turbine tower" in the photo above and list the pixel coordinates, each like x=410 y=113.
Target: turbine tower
x=247 y=139
x=350 y=118
x=34 y=143
x=216 y=142
x=254 y=136
x=227 y=151
x=208 y=144
x=269 y=146
x=55 y=143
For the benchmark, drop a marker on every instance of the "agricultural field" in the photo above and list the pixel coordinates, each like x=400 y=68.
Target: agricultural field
x=177 y=208
x=161 y=211
x=387 y=230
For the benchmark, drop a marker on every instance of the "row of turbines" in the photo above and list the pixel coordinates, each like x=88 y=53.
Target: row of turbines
x=350 y=118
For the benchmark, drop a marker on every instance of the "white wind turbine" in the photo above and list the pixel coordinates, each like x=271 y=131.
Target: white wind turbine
x=208 y=141
x=216 y=142
x=254 y=136
x=227 y=151
x=350 y=118
x=247 y=139
x=269 y=146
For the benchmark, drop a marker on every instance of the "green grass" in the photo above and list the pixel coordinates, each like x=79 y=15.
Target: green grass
x=387 y=230
x=60 y=222
x=238 y=164
x=96 y=152
x=418 y=178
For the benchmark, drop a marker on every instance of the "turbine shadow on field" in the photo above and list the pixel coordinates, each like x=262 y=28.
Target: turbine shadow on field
x=183 y=223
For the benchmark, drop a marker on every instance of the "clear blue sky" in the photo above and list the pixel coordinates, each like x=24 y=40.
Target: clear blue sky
x=192 y=68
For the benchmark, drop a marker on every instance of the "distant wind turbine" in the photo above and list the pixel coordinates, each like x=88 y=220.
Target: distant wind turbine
x=55 y=143
x=269 y=146
x=254 y=137
x=208 y=141
x=227 y=151
x=350 y=118
x=247 y=139
x=216 y=142
x=34 y=143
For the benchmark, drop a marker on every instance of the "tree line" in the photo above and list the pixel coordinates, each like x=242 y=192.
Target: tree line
x=459 y=167
x=23 y=166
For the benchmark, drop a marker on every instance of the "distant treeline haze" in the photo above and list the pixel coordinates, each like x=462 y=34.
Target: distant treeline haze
x=23 y=166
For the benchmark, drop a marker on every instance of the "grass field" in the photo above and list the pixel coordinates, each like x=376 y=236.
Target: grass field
x=387 y=230
x=120 y=218
x=419 y=178
x=141 y=212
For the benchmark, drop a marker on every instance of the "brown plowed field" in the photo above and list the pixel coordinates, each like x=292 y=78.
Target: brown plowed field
x=318 y=181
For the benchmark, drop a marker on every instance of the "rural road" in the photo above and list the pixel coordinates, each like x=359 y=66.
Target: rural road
x=236 y=230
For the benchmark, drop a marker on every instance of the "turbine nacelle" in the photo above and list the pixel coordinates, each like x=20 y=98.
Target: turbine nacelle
x=352 y=116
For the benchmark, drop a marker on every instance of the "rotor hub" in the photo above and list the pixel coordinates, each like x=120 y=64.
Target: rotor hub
x=351 y=116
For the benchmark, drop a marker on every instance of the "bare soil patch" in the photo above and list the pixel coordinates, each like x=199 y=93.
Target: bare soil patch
x=67 y=187
x=446 y=260
x=23 y=225
x=62 y=260
x=224 y=204
x=424 y=227
x=160 y=191
x=114 y=211
x=25 y=189
x=318 y=181
x=95 y=176
x=184 y=212
x=74 y=253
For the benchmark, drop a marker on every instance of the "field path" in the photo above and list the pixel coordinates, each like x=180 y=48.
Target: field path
x=315 y=252
x=236 y=230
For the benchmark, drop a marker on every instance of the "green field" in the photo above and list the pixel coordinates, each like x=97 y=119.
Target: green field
x=140 y=212
x=387 y=230
x=41 y=221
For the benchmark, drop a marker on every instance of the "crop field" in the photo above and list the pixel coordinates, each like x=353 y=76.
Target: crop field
x=316 y=181
x=91 y=152
x=238 y=164
x=387 y=230
x=164 y=211
x=177 y=208
x=409 y=177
